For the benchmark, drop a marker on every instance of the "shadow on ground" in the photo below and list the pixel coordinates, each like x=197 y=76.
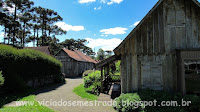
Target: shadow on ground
x=9 y=96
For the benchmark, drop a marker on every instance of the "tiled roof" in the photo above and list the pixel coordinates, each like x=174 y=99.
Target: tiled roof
x=79 y=56
x=44 y=49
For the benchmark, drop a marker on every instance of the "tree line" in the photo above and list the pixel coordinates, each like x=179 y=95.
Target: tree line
x=24 y=23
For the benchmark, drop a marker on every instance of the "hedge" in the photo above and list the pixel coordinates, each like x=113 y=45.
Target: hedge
x=159 y=96
x=22 y=65
x=1 y=78
x=92 y=82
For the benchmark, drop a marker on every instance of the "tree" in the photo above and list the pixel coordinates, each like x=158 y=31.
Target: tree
x=28 y=23
x=21 y=8
x=108 y=53
x=78 y=45
x=101 y=54
x=47 y=18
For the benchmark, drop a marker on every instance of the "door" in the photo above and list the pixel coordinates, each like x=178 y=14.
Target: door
x=152 y=75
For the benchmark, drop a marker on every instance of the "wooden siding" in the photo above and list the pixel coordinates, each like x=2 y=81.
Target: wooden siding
x=72 y=67
x=148 y=55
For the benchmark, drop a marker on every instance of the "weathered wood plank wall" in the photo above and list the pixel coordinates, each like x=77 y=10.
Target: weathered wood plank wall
x=149 y=56
x=72 y=67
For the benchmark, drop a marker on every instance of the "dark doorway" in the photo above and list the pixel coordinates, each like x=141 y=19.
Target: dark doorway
x=192 y=76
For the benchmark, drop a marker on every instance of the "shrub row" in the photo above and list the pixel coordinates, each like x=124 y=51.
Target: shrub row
x=22 y=65
x=88 y=72
x=129 y=97
x=92 y=82
x=159 y=96
x=1 y=78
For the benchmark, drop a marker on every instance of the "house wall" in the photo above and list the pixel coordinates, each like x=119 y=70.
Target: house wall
x=148 y=57
x=72 y=67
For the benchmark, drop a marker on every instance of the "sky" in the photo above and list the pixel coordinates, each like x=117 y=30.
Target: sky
x=104 y=23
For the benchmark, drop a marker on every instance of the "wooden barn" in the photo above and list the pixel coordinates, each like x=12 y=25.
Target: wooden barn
x=163 y=50
x=74 y=62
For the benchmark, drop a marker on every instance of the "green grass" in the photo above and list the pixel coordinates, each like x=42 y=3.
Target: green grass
x=80 y=91
x=34 y=108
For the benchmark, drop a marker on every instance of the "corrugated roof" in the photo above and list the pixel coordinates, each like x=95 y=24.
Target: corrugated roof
x=44 y=49
x=79 y=56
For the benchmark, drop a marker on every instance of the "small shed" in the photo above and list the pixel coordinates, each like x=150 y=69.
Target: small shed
x=74 y=62
x=162 y=51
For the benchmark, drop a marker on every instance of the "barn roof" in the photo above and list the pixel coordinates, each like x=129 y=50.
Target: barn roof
x=142 y=21
x=79 y=56
x=44 y=49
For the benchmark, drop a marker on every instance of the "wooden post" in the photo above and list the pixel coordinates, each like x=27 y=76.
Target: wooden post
x=107 y=66
x=102 y=79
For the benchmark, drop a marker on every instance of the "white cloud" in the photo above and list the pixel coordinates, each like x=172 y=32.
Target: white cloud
x=114 y=1
x=67 y=27
x=2 y=34
x=102 y=35
x=117 y=1
x=10 y=9
x=105 y=44
x=109 y=3
x=103 y=1
x=86 y=1
x=97 y=8
x=135 y=24
x=114 y=31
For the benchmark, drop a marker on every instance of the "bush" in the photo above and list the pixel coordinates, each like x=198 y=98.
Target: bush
x=88 y=72
x=195 y=103
x=130 y=97
x=159 y=96
x=1 y=78
x=92 y=82
x=24 y=65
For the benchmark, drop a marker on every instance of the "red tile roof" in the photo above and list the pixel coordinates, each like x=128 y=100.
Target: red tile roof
x=79 y=56
x=44 y=49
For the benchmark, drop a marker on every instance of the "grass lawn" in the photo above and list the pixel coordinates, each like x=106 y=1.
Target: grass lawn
x=80 y=91
x=34 y=108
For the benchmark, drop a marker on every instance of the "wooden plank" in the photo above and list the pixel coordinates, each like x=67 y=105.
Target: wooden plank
x=156 y=75
x=170 y=15
x=134 y=45
x=146 y=76
x=138 y=70
x=123 y=74
x=170 y=24
x=144 y=37
x=150 y=35
x=131 y=45
x=156 y=34
x=180 y=38
x=134 y=78
x=128 y=64
x=194 y=26
x=138 y=41
x=198 y=18
x=180 y=12
x=161 y=29
x=188 y=24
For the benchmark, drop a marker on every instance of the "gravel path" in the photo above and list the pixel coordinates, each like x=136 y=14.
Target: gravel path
x=65 y=92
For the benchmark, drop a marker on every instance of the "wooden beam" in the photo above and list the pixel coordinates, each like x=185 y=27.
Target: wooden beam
x=101 y=79
x=107 y=61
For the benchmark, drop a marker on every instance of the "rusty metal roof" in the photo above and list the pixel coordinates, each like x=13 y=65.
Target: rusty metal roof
x=44 y=49
x=79 y=56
